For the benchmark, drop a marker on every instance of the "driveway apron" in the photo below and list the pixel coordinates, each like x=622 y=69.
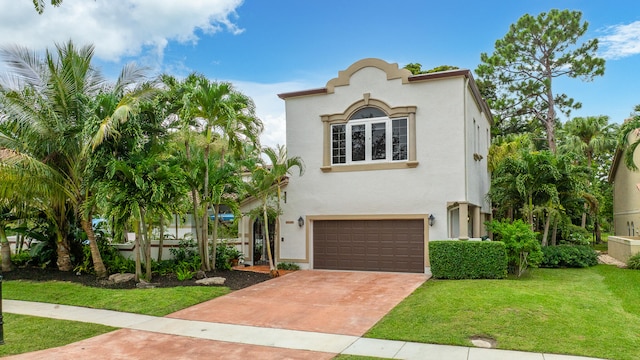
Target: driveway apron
x=336 y=302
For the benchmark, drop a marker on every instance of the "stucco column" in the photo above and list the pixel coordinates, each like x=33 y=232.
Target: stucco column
x=326 y=144
x=477 y=222
x=412 y=136
x=464 y=222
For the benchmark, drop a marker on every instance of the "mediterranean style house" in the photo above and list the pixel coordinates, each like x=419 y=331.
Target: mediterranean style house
x=392 y=161
x=626 y=205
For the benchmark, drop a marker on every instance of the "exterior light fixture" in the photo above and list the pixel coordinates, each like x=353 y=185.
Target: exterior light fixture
x=300 y=221
x=432 y=219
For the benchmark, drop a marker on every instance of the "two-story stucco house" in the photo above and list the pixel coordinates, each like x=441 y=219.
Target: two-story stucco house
x=392 y=161
x=626 y=205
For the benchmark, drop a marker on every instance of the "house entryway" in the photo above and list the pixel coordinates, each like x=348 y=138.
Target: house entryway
x=259 y=253
x=369 y=245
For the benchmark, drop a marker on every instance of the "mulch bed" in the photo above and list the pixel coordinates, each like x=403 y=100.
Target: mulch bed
x=235 y=279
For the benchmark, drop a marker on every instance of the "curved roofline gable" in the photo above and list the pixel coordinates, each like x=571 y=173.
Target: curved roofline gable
x=392 y=71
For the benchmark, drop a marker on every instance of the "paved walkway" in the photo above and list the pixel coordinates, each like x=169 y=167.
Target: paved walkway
x=340 y=308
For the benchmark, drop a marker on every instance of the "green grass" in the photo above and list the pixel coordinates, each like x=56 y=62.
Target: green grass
x=27 y=333
x=156 y=302
x=590 y=312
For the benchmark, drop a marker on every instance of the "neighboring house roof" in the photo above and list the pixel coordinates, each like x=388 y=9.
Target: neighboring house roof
x=393 y=72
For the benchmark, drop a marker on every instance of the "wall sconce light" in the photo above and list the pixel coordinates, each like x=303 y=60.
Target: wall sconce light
x=300 y=221
x=432 y=219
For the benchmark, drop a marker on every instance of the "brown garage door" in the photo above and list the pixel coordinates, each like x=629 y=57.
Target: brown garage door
x=373 y=245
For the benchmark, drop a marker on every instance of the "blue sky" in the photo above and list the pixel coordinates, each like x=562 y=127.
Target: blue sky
x=268 y=47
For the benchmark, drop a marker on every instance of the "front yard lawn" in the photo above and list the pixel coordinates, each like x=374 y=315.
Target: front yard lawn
x=156 y=302
x=589 y=312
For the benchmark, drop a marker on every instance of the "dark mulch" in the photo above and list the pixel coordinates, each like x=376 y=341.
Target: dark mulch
x=235 y=279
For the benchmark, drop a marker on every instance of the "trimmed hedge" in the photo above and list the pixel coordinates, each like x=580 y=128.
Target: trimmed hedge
x=455 y=259
x=568 y=256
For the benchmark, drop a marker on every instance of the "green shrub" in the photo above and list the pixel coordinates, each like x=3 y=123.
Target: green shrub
x=184 y=273
x=575 y=235
x=187 y=249
x=226 y=252
x=568 y=256
x=523 y=248
x=20 y=259
x=634 y=262
x=453 y=259
x=288 y=266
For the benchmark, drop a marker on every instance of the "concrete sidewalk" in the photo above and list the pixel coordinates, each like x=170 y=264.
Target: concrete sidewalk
x=314 y=342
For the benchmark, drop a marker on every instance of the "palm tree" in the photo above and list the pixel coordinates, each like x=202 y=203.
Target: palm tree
x=228 y=118
x=52 y=127
x=281 y=167
x=266 y=183
x=589 y=137
x=528 y=180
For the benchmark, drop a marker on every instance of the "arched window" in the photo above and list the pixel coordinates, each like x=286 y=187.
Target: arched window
x=367 y=113
x=369 y=136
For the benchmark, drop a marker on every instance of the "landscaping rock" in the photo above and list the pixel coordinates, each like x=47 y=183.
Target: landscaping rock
x=201 y=275
x=211 y=281
x=146 y=285
x=121 y=278
x=483 y=342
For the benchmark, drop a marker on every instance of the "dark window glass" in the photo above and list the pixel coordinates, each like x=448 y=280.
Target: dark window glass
x=378 y=141
x=357 y=143
x=367 y=113
x=339 y=144
x=399 y=139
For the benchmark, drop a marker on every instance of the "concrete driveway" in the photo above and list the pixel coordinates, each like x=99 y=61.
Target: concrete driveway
x=336 y=302
x=294 y=305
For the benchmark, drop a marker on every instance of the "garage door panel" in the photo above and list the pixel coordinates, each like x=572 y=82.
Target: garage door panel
x=375 y=245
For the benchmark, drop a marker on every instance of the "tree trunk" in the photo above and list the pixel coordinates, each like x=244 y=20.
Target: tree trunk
x=136 y=251
x=98 y=264
x=19 y=243
x=5 y=250
x=530 y=210
x=550 y=121
x=161 y=240
x=584 y=217
x=147 y=249
x=62 y=250
x=199 y=241
x=196 y=204
x=214 y=240
x=206 y=203
x=545 y=236
x=272 y=269
x=554 y=235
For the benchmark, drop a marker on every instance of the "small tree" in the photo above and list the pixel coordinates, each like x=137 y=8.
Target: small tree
x=523 y=248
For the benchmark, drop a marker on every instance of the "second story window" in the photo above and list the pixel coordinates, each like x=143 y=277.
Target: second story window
x=378 y=139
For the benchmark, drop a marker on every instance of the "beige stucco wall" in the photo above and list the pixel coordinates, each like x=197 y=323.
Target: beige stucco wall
x=626 y=197
x=622 y=248
x=447 y=171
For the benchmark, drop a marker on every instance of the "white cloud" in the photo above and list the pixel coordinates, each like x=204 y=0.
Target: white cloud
x=269 y=107
x=116 y=28
x=621 y=41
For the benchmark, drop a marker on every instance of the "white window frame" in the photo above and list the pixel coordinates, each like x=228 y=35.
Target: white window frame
x=368 y=140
